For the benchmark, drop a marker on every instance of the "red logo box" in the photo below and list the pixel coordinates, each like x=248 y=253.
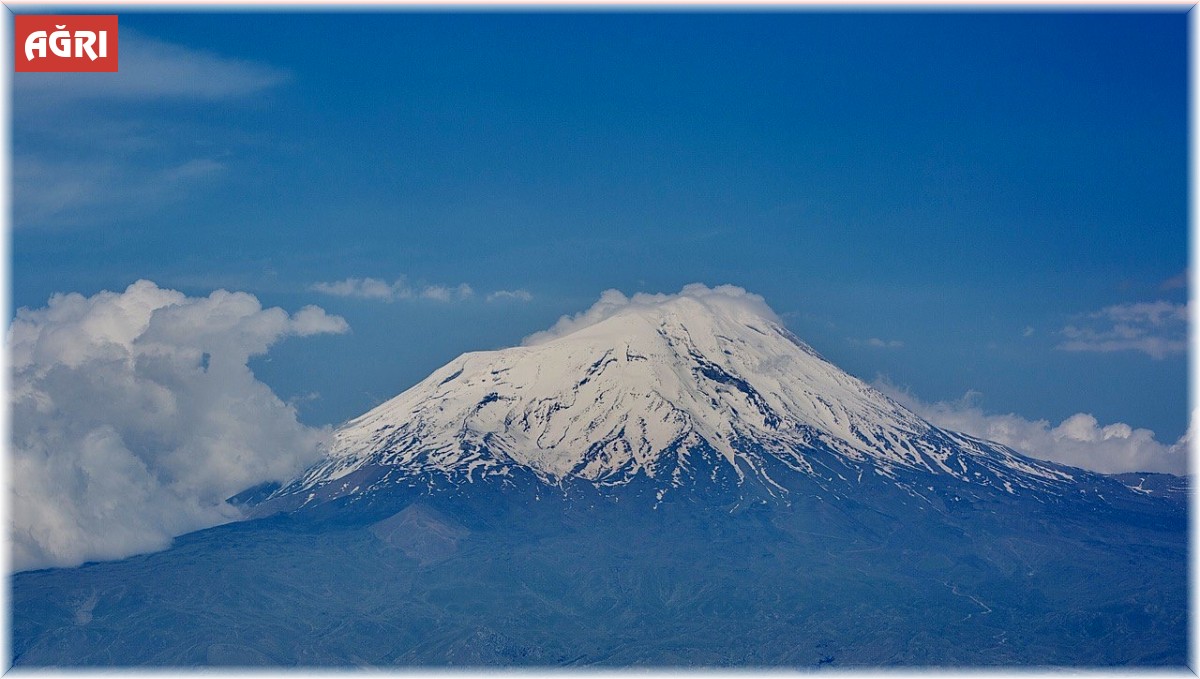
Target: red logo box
x=56 y=43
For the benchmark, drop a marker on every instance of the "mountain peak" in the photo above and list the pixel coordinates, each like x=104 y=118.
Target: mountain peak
x=696 y=302
x=660 y=387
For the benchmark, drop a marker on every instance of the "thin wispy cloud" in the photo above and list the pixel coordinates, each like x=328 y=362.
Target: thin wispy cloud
x=49 y=190
x=402 y=290
x=442 y=293
x=398 y=290
x=1176 y=282
x=151 y=69
x=1157 y=329
x=875 y=343
x=86 y=147
x=509 y=296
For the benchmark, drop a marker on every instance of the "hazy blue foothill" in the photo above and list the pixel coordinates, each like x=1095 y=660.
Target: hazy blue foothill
x=519 y=574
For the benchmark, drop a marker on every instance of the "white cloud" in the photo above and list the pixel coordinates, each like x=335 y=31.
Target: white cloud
x=1028 y=331
x=365 y=288
x=442 y=293
x=134 y=415
x=1157 y=329
x=614 y=301
x=312 y=320
x=1079 y=440
x=509 y=295
x=400 y=289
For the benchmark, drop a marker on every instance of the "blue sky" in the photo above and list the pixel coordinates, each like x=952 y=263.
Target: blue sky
x=988 y=202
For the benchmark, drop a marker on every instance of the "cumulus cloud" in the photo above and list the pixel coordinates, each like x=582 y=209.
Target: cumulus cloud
x=312 y=320
x=509 y=295
x=134 y=415
x=612 y=302
x=1157 y=329
x=400 y=289
x=1079 y=441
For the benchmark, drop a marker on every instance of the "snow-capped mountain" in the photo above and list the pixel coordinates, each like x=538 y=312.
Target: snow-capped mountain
x=659 y=481
x=657 y=387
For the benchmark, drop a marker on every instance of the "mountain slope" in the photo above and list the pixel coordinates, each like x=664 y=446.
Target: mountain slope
x=657 y=388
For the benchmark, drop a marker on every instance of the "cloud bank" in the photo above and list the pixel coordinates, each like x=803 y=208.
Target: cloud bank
x=612 y=302
x=1079 y=441
x=134 y=415
x=1157 y=329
